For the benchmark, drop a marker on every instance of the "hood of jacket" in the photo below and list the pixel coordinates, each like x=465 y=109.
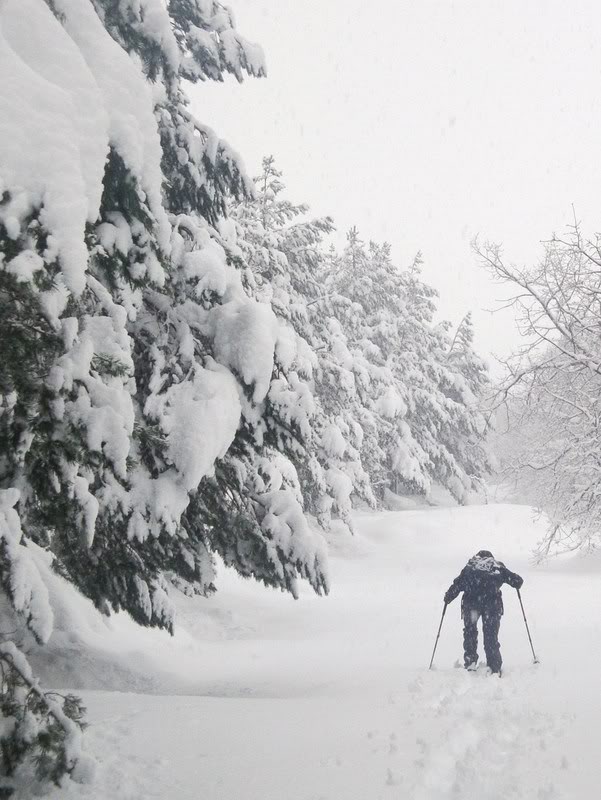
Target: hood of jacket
x=485 y=562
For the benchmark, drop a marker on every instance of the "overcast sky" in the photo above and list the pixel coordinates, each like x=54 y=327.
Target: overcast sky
x=425 y=123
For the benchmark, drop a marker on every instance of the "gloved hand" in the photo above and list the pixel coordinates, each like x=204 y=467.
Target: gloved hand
x=447 y=597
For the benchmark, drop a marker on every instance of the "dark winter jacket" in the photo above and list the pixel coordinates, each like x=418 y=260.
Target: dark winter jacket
x=480 y=581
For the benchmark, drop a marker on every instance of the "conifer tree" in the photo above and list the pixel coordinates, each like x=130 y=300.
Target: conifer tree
x=425 y=425
x=394 y=400
x=284 y=253
x=135 y=373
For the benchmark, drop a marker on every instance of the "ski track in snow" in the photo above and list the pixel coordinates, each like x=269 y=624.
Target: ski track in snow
x=260 y=697
x=475 y=731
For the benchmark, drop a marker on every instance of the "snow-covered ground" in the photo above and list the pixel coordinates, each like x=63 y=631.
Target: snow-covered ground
x=260 y=697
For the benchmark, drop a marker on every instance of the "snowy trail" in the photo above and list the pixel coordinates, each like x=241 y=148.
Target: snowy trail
x=260 y=697
x=479 y=741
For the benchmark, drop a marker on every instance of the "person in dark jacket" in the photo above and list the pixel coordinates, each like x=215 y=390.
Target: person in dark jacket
x=480 y=581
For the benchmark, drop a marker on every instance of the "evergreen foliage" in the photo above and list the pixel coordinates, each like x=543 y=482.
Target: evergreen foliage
x=186 y=368
x=395 y=397
x=42 y=729
x=135 y=428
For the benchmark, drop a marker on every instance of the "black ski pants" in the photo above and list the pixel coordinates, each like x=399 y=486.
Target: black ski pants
x=491 y=621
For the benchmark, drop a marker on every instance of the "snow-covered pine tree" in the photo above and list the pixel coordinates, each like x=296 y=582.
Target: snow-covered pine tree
x=469 y=386
x=135 y=367
x=283 y=250
x=425 y=424
x=351 y=298
x=445 y=409
x=211 y=319
x=465 y=360
x=394 y=400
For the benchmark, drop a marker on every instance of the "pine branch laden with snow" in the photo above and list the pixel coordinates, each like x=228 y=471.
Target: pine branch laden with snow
x=42 y=736
x=191 y=40
x=39 y=735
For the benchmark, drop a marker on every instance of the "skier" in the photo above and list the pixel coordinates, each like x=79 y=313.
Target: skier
x=480 y=581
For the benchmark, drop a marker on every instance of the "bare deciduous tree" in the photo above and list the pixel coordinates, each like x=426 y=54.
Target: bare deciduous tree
x=552 y=388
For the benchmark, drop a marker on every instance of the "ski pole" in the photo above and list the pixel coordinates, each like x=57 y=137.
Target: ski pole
x=536 y=661
x=444 y=611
